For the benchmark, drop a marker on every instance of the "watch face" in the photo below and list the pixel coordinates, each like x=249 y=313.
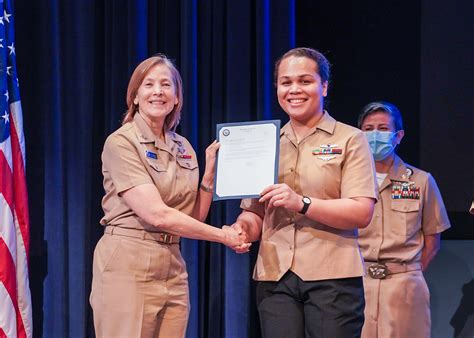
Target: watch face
x=306 y=200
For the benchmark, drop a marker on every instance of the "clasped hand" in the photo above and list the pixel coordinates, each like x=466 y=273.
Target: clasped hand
x=232 y=237
x=235 y=238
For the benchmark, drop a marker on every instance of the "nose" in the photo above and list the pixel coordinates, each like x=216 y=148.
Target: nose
x=294 y=88
x=158 y=89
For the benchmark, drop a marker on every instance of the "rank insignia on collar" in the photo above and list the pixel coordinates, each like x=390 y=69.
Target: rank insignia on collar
x=327 y=151
x=408 y=173
x=405 y=190
x=151 y=154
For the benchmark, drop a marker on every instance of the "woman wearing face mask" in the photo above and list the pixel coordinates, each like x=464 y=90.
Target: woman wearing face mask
x=403 y=236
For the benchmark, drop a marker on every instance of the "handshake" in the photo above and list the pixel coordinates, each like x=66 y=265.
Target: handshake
x=248 y=227
x=236 y=238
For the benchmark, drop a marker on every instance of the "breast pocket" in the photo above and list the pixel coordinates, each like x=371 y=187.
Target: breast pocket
x=161 y=176
x=405 y=217
x=323 y=178
x=189 y=173
x=156 y=166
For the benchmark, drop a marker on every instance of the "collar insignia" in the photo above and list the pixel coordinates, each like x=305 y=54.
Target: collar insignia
x=151 y=154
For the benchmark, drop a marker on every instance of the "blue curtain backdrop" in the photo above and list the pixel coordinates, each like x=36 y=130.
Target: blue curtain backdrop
x=75 y=59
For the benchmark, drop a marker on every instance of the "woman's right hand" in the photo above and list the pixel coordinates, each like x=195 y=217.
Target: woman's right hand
x=231 y=237
x=245 y=247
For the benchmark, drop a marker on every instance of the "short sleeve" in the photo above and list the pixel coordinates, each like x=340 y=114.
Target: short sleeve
x=121 y=160
x=435 y=218
x=253 y=205
x=358 y=172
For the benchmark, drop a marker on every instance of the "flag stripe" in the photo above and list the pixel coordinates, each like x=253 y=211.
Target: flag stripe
x=2 y=334
x=23 y=285
x=6 y=181
x=8 y=319
x=5 y=148
x=17 y=116
x=6 y=275
x=21 y=195
x=7 y=230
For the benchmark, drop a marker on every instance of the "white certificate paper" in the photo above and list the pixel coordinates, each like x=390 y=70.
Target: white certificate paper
x=247 y=161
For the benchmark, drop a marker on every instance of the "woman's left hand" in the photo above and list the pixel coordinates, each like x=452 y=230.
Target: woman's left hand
x=281 y=195
x=211 y=152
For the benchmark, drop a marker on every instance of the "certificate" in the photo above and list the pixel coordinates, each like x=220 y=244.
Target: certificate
x=247 y=161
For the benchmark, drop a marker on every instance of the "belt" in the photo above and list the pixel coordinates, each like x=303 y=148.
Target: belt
x=161 y=237
x=380 y=270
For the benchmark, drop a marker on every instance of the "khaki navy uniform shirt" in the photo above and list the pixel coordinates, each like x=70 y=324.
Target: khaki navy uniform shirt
x=132 y=156
x=409 y=207
x=332 y=162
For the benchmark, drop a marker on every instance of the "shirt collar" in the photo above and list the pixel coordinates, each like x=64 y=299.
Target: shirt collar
x=399 y=170
x=327 y=123
x=146 y=135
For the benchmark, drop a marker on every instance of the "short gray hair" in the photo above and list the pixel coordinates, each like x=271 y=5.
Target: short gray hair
x=382 y=106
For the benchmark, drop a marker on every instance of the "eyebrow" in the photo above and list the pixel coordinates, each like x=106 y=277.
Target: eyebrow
x=302 y=75
x=152 y=79
x=373 y=125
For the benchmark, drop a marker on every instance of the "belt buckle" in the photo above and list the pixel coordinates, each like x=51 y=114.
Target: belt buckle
x=378 y=271
x=167 y=238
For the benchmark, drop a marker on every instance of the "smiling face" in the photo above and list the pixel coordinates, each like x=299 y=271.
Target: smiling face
x=156 y=97
x=300 y=89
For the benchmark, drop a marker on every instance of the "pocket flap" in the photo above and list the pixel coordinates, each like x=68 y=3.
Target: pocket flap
x=156 y=165
x=405 y=206
x=187 y=164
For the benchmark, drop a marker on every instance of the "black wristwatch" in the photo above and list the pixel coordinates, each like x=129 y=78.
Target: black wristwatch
x=306 y=203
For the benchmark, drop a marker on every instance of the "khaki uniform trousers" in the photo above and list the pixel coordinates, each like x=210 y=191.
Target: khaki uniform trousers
x=139 y=289
x=397 y=306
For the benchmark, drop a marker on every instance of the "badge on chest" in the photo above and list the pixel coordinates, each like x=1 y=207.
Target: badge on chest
x=405 y=190
x=327 y=152
x=182 y=153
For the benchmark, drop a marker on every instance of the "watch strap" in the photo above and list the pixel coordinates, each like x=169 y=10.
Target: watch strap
x=305 y=205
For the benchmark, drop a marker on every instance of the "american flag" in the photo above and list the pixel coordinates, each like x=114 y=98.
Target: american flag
x=15 y=297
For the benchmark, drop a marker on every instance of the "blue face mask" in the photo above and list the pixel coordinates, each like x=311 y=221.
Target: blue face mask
x=381 y=143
